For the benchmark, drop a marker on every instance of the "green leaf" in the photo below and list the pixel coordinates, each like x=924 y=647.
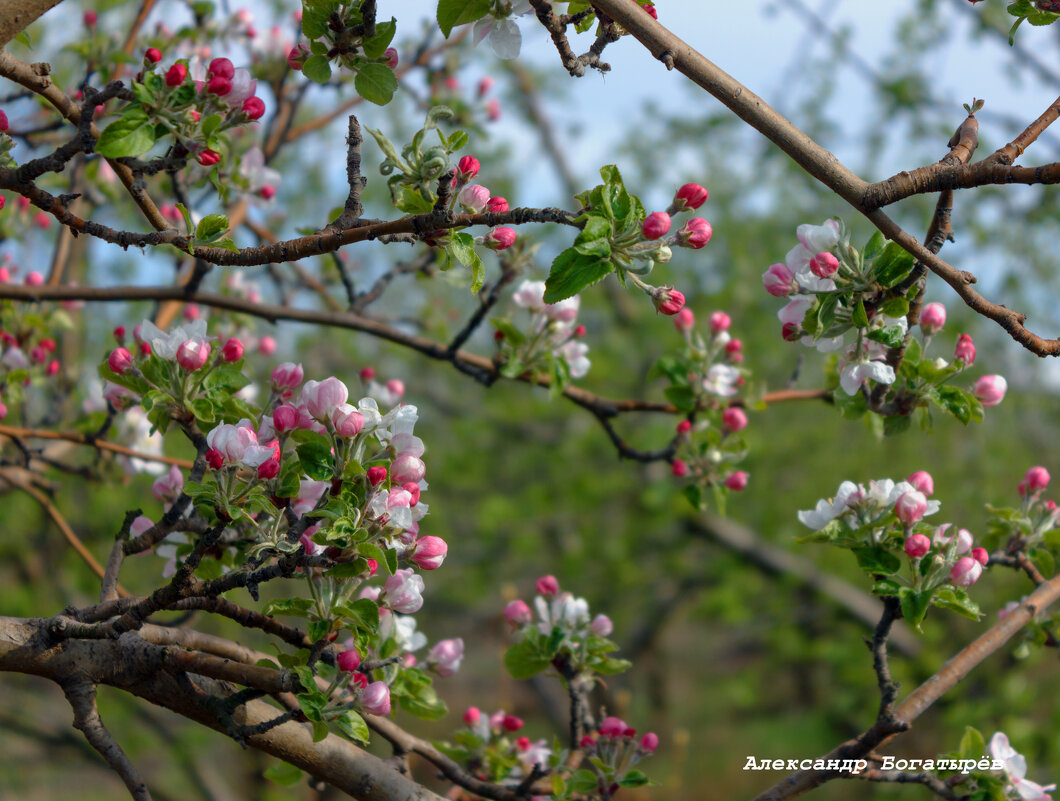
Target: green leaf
x=296 y=607
x=353 y=726
x=886 y=587
x=409 y=200
x=972 y=744
x=892 y=265
x=364 y=612
x=424 y=704
x=525 y=660
x=132 y=135
x=895 y=307
x=914 y=605
x=211 y=227
x=595 y=238
x=211 y=124
x=877 y=559
x=316 y=460
x=512 y=335
x=861 y=317
x=283 y=774
x=896 y=424
x=957 y=600
x=376 y=83
x=634 y=778
x=315 y=17
x=891 y=336
x=873 y=246
x=608 y=666
x=460 y=12
x=572 y=272
x=457 y=141
x=226 y=377
x=384 y=34
x=320 y=731
x=369 y=550
x=956 y=401
x=681 y=397
x=317 y=69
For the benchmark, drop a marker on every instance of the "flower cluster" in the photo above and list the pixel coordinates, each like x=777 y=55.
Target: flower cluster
x=553 y=342
x=615 y=750
x=882 y=519
x=704 y=384
x=856 y=304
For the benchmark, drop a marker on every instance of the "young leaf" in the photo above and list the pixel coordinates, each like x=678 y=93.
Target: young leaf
x=572 y=272
x=460 y=12
x=376 y=83
x=132 y=135
x=317 y=69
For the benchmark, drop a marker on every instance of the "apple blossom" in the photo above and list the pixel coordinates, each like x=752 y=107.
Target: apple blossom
x=473 y=198
x=932 y=318
x=733 y=419
x=152 y=55
x=966 y=571
x=321 y=398
x=176 y=74
x=375 y=699
x=267 y=345
x=1036 y=479
x=684 y=320
x=120 y=361
x=601 y=626
x=168 y=486
x=990 y=390
x=779 y=281
x=429 y=553
x=391 y=56
x=446 y=655
x=667 y=300
x=376 y=475
x=737 y=481
x=500 y=238
x=407 y=468
x=917 y=545
x=347 y=421
x=690 y=196
x=517 y=613
x=922 y=481
x=656 y=225
x=695 y=233
x=613 y=727
x=287 y=376
x=497 y=205
x=910 y=507
x=192 y=354
x=472 y=715
x=402 y=592
x=965 y=350
x=141 y=525
x=679 y=468
x=1015 y=767
x=349 y=660
x=232 y=351
x=981 y=556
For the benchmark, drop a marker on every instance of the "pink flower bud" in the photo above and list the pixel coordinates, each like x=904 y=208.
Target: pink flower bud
x=120 y=361
x=254 y=108
x=429 y=553
x=296 y=57
x=208 y=157
x=667 y=300
x=446 y=655
x=990 y=389
x=472 y=715
x=402 y=592
x=922 y=482
x=1037 y=478
x=376 y=475
x=649 y=742
x=720 y=321
x=733 y=419
x=500 y=238
x=140 y=525
x=932 y=318
x=176 y=74
x=779 y=281
x=367 y=373
x=684 y=320
x=375 y=699
x=484 y=86
x=167 y=486
x=414 y=491
x=910 y=507
x=493 y=110
x=267 y=346
x=695 y=233
x=511 y=723
x=966 y=572
x=34 y=279
x=269 y=469
x=321 y=398
x=473 y=198
x=613 y=727
x=192 y=354
x=232 y=350
x=214 y=459
x=547 y=586
x=219 y=86
x=497 y=205
x=348 y=661
x=391 y=56
x=407 y=468
x=737 y=482
x=656 y=225
x=347 y=421
x=90 y=18
x=467 y=168
x=4 y=125
x=917 y=545
x=601 y=626
x=980 y=555
x=684 y=426
x=824 y=265
x=152 y=55
x=287 y=376
x=517 y=613
x=221 y=68
x=691 y=196
x=284 y=418
x=965 y=350
x=679 y=468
